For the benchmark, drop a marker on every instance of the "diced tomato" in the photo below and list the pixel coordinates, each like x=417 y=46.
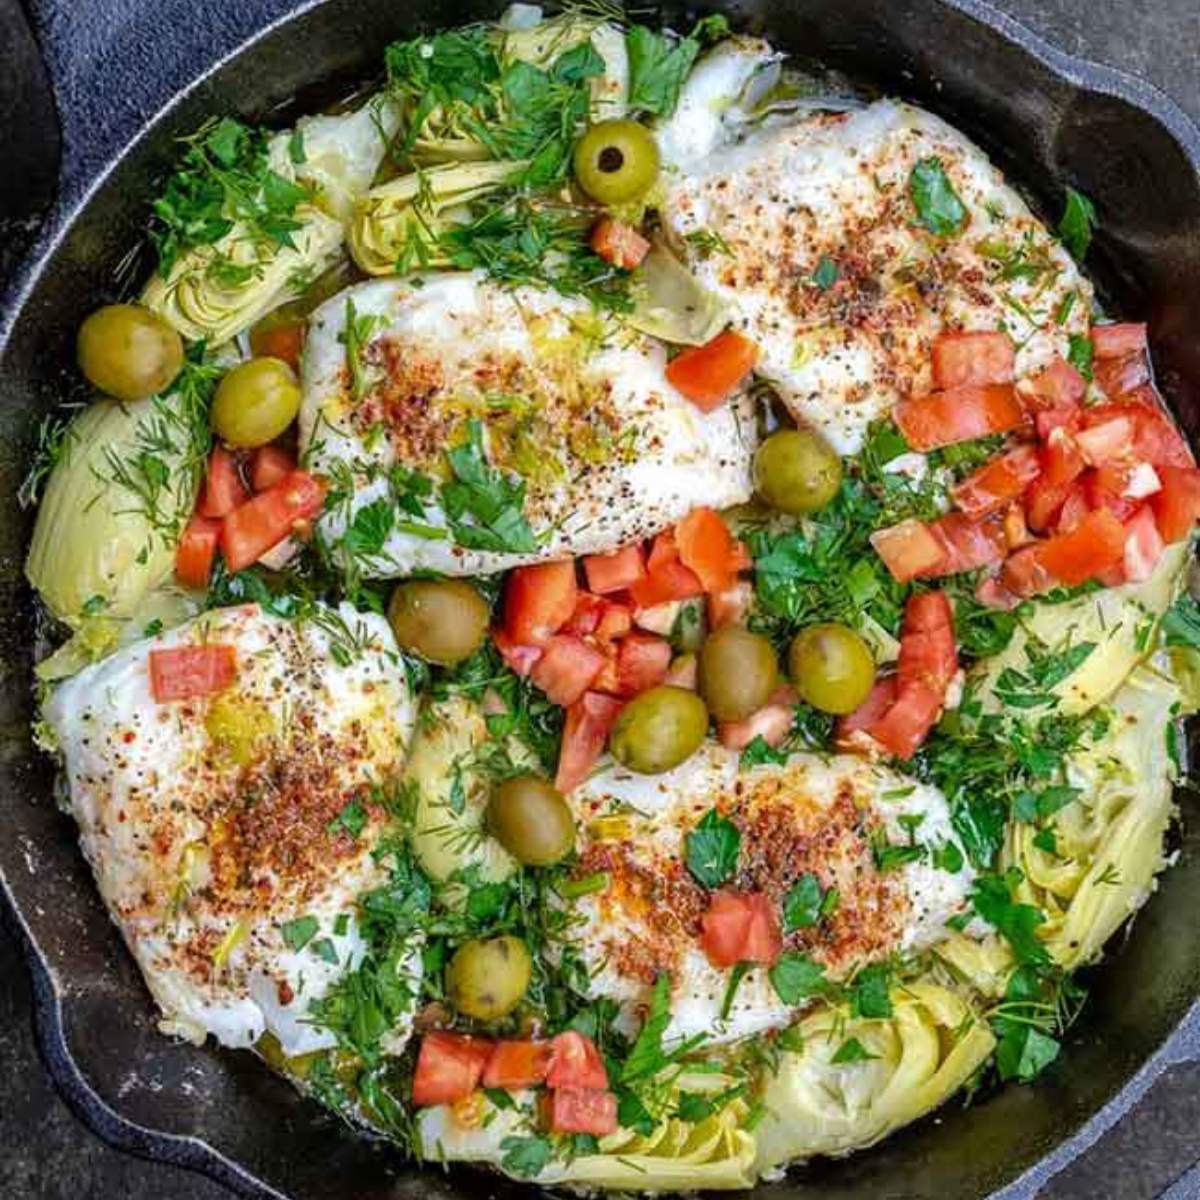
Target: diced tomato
x=683 y=672
x=449 y=1067
x=539 y=601
x=586 y=729
x=615 y=622
x=997 y=482
x=1132 y=480
x=268 y=466
x=1023 y=574
x=740 y=927
x=1177 y=506
x=882 y=696
x=1117 y=340
x=1048 y=420
x=265 y=520
x=909 y=549
x=1074 y=508
x=223 y=488
x=585 y=620
x=1061 y=458
x=667 y=578
x=708 y=375
x=642 y=662
x=580 y=1110
x=1073 y=557
x=992 y=593
x=708 y=548
x=729 y=607
x=618 y=243
x=1106 y=441
x=1099 y=496
x=1116 y=376
x=907 y=723
x=575 y=1063
x=281 y=341
x=513 y=1065
x=960 y=359
x=615 y=572
x=566 y=667
x=518 y=658
x=1043 y=503
x=773 y=722
x=196 y=551
x=191 y=672
x=1156 y=439
x=968 y=544
x=1016 y=531
x=928 y=654
x=1060 y=386
x=958 y=415
x=1143 y=546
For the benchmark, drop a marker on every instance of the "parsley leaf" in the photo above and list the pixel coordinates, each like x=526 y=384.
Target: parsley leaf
x=1181 y=623
x=298 y=933
x=493 y=501
x=1016 y=922
x=1079 y=354
x=525 y=1157
x=869 y=993
x=826 y=274
x=368 y=533
x=1023 y=1051
x=796 y=977
x=805 y=903
x=646 y=1057
x=352 y=819
x=852 y=1051
x=938 y=207
x=712 y=849
x=659 y=64
x=1078 y=221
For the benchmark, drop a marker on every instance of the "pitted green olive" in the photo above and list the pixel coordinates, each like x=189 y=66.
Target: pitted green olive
x=616 y=161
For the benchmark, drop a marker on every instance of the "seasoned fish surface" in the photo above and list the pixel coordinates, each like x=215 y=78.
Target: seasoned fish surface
x=575 y=407
x=823 y=262
x=812 y=815
x=212 y=823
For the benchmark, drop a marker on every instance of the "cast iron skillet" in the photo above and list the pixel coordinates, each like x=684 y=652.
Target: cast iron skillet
x=1048 y=120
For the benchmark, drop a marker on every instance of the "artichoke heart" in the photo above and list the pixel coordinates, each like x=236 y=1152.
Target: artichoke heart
x=714 y=1153
x=215 y=292
x=115 y=506
x=1109 y=841
x=400 y=221
x=670 y=303
x=448 y=785
x=828 y=1099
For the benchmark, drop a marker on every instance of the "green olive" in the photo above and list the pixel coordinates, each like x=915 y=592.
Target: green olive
x=831 y=667
x=128 y=352
x=616 y=161
x=659 y=729
x=529 y=818
x=442 y=620
x=486 y=978
x=797 y=471
x=255 y=402
x=738 y=672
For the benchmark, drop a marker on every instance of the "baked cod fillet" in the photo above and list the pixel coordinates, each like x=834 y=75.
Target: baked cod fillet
x=231 y=835
x=582 y=443
x=823 y=261
x=828 y=817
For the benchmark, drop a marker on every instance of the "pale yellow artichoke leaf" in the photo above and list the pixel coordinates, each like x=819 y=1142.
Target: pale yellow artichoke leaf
x=670 y=303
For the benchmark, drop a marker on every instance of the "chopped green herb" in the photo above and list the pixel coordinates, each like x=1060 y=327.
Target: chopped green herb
x=1181 y=623
x=525 y=1157
x=938 y=206
x=352 y=819
x=298 y=933
x=485 y=507
x=712 y=849
x=1079 y=355
x=325 y=950
x=1078 y=222
x=852 y=1051
x=869 y=992
x=804 y=905
x=1016 y=922
x=826 y=273
x=796 y=977
x=659 y=64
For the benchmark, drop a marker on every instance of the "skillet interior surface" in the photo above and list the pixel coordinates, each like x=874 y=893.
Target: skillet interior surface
x=1047 y=123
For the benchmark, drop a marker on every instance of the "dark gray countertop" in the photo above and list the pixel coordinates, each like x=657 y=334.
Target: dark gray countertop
x=45 y=1153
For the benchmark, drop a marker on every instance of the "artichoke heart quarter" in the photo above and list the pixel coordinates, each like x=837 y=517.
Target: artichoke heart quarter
x=399 y=222
x=825 y=1099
